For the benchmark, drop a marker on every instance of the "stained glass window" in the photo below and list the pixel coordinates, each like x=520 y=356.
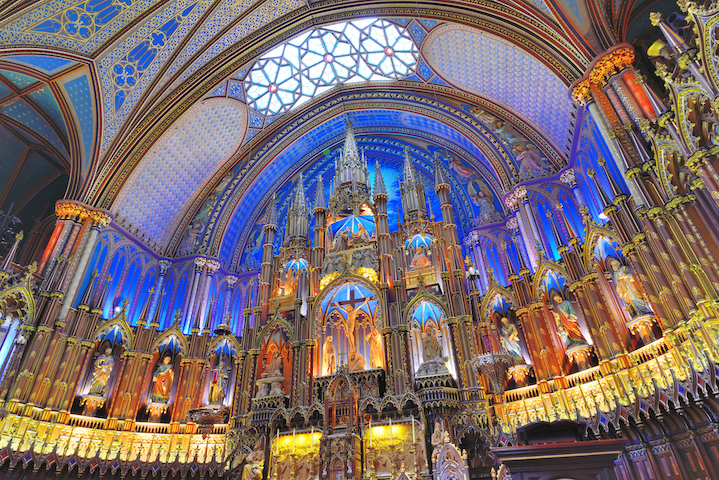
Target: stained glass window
x=315 y=61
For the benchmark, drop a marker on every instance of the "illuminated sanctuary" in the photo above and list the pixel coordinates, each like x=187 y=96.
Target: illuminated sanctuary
x=317 y=239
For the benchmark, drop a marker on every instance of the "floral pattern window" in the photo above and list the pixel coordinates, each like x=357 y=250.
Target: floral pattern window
x=315 y=61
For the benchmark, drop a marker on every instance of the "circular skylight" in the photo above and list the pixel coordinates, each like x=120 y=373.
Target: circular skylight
x=315 y=61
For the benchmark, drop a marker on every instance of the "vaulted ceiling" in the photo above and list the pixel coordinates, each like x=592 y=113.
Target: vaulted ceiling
x=154 y=109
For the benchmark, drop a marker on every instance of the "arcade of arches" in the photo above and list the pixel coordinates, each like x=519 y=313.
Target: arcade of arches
x=321 y=239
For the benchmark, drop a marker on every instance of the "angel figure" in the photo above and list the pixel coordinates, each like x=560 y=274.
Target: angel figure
x=482 y=196
x=460 y=169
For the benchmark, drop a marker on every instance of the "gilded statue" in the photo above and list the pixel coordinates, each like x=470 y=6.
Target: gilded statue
x=628 y=290
x=218 y=385
x=374 y=339
x=509 y=338
x=162 y=382
x=101 y=373
x=567 y=324
x=328 y=356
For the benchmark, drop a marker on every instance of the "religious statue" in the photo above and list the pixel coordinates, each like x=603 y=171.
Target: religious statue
x=437 y=439
x=374 y=338
x=628 y=290
x=254 y=462
x=361 y=236
x=274 y=367
x=509 y=338
x=162 y=382
x=101 y=373
x=328 y=356
x=419 y=260
x=431 y=347
x=567 y=324
x=341 y=241
x=219 y=383
x=287 y=282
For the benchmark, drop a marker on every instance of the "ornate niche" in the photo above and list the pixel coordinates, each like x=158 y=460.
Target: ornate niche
x=503 y=335
x=111 y=341
x=566 y=319
x=348 y=328
x=353 y=241
x=274 y=367
x=618 y=282
x=429 y=339
x=418 y=248
x=165 y=371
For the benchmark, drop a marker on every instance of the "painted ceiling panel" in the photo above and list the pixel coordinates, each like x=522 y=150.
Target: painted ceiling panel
x=219 y=19
x=47 y=65
x=23 y=113
x=11 y=148
x=526 y=86
x=34 y=169
x=80 y=98
x=128 y=69
x=42 y=205
x=190 y=152
x=263 y=15
x=46 y=100
x=4 y=90
x=18 y=79
x=79 y=25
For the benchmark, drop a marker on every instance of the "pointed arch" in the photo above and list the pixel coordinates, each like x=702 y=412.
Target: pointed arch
x=175 y=331
x=120 y=321
x=543 y=268
x=277 y=321
x=493 y=291
x=594 y=235
x=423 y=296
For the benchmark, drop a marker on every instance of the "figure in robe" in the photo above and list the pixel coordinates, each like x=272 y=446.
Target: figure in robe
x=419 y=260
x=431 y=347
x=374 y=338
x=482 y=197
x=460 y=169
x=274 y=367
x=162 y=382
x=361 y=236
x=219 y=383
x=506 y=133
x=509 y=337
x=628 y=290
x=254 y=463
x=288 y=282
x=355 y=360
x=530 y=163
x=341 y=241
x=483 y=116
x=328 y=356
x=101 y=373
x=567 y=324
